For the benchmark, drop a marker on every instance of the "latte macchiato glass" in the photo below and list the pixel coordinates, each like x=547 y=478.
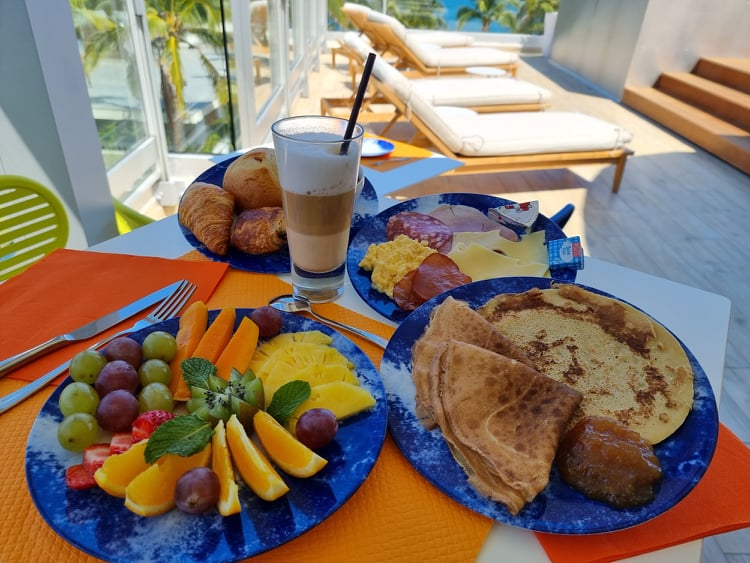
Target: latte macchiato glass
x=318 y=175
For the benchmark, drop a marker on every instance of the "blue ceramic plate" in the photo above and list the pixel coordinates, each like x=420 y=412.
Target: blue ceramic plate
x=365 y=206
x=376 y=147
x=100 y=525
x=374 y=232
x=559 y=509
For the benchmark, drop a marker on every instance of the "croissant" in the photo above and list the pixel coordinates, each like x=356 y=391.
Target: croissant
x=208 y=211
x=259 y=231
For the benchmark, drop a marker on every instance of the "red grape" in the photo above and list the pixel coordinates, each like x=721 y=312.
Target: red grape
x=118 y=374
x=268 y=320
x=197 y=490
x=126 y=349
x=316 y=428
x=117 y=411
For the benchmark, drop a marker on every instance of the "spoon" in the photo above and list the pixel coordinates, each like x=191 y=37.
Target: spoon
x=298 y=303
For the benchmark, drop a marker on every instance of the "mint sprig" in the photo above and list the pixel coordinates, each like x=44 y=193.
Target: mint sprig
x=197 y=371
x=287 y=398
x=184 y=435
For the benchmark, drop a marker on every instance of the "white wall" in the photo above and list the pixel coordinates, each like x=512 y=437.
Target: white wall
x=47 y=130
x=612 y=43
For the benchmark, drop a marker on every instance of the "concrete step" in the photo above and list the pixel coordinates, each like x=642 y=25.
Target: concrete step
x=722 y=101
x=721 y=138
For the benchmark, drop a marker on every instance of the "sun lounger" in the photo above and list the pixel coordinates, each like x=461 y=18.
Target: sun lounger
x=499 y=142
x=358 y=15
x=485 y=95
x=389 y=35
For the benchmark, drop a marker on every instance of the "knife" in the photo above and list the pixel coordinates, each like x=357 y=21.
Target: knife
x=86 y=331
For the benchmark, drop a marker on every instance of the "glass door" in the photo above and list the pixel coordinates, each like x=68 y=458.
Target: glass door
x=112 y=38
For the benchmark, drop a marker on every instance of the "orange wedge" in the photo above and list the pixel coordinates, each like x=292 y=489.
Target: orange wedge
x=120 y=469
x=255 y=469
x=221 y=463
x=291 y=455
x=152 y=491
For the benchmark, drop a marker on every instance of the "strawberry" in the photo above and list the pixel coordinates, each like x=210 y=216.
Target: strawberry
x=94 y=456
x=120 y=442
x=78 y=477
x=147 y=422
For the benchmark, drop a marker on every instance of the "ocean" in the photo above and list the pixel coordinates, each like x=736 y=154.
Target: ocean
x=449 y=15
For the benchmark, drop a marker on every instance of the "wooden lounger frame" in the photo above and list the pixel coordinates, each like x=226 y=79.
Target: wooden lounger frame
x=503 y=163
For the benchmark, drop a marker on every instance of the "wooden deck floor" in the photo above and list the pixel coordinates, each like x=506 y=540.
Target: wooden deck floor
x=681 y=214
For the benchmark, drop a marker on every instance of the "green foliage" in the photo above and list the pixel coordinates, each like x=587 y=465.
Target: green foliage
x=519 y=16
x=418 y=14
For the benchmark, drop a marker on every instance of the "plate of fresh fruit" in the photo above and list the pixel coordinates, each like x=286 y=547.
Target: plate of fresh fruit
x=215 y=436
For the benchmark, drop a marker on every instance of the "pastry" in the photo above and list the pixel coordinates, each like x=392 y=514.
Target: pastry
x=208 y=211
x=259 y=231
x=253 y=180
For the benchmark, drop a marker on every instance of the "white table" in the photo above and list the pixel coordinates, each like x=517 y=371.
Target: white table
x=699 y=318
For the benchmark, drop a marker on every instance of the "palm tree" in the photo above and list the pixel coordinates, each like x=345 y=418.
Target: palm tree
x=527 y=16
x=173 y=24
x=485 y=11
x=418 y=14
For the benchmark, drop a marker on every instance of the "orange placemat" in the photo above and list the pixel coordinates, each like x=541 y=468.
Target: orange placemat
x=69 y=288
x=402 y=155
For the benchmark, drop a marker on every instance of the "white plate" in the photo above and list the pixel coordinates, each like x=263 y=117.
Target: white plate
x=376 y=147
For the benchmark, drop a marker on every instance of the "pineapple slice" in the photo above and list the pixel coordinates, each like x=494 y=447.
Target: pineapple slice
x=267 y=349
x=314 y=374
x=343 y=399
x=297 y=355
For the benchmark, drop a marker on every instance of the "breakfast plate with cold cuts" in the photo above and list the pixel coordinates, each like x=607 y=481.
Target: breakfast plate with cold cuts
x=421 y=247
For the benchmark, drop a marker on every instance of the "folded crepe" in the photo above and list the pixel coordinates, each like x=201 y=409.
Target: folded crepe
x=628 y=366
x=455 y=320
x=502 y=419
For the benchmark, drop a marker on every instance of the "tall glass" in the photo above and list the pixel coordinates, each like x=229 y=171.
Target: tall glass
x=318 y=175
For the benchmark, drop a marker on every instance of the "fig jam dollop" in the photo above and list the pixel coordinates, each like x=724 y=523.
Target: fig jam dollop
x=609 y=462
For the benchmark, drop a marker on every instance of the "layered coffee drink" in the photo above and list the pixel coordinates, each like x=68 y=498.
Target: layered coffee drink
x=318 y=176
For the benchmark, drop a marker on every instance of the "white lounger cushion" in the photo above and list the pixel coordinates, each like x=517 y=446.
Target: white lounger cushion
x=472 y=92
x=465 y=92
x=511 y=133
x=435 y=38
x=459 y=57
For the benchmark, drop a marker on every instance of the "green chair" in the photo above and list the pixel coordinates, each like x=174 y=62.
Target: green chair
x=33 y=223
x=128 y=218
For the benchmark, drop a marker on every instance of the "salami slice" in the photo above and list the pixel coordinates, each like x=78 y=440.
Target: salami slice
x=420 y=226
x=437 y=273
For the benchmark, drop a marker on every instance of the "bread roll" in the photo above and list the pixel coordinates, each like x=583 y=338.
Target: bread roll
x=253 y=180
x=208 y=211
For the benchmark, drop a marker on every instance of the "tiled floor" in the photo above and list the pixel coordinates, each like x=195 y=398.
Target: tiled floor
x=681 y=214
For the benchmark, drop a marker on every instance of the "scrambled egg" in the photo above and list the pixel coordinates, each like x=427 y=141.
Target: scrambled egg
x=391 y=261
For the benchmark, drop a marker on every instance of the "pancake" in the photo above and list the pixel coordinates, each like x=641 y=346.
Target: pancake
x=455 y=320
x=627 y=366
x=503 y=420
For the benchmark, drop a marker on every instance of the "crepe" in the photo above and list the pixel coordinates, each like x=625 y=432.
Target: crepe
x=627 y=366
x=453 y=319
x=502 y=419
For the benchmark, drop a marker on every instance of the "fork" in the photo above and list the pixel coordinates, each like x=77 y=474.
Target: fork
x=168 y=308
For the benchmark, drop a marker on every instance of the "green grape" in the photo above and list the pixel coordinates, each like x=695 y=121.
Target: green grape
x=160 y=345
x=155 y=371
x=86 y=365
x=155 y=396
x=78 y=431
x=78 y=397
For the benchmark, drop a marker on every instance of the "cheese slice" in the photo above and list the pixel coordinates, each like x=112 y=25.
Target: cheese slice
x=530 y=248
x=481 y=263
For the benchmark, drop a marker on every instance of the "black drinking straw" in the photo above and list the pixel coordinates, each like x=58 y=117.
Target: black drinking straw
x=358 y=101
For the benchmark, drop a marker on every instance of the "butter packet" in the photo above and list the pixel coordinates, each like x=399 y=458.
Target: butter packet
x=565 y=253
